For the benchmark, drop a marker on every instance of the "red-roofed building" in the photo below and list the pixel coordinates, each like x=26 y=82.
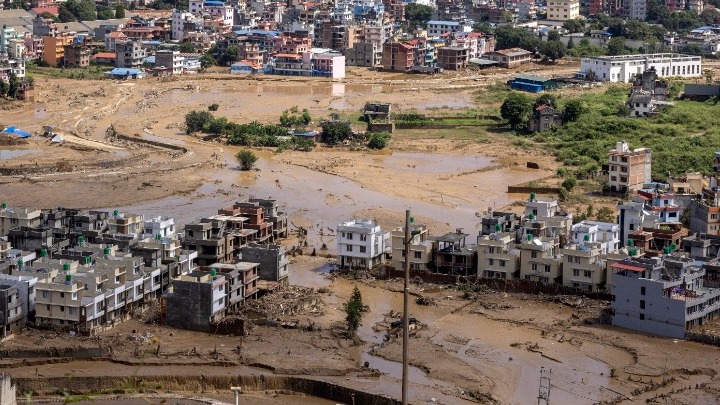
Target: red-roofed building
x=104 y=58
x=114 y=38
x=54 y=10
x=397 y=57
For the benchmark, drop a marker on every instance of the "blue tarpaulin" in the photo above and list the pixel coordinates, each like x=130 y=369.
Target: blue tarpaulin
x=16 y=131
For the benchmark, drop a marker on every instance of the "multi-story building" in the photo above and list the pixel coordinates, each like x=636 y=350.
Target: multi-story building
x=11 y=314
x=623 y=68
x=197 y=300
x=397 y=56
x=169 y=59
x=272 y=259
x=629 y=169
x=129 y=54
x=54 y=49
x=113 y=39
x=510 y=58
x=421 y=249
x=605 y=234
x=634 y=215
x=665 y=296
x=582 y=267
x=437 y=28
x=76 y=55
x=367 y=54
x=453 y=256
x=452 y=57
x=563 y=10
x=497 y=256
x=17 y=217
x=327 y=63
x=539 y=260
x=636 y=9
x=362 y=244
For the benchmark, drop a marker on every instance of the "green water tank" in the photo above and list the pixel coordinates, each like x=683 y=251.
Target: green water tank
x=498 y=227
x=631 y=242
x=3 y=205
x=529 y=237
x=586 y=238
x=213 y=272
x=68 y=278
x=20 y=262
x=66 y=266
x=43 y=253
x=106 y=251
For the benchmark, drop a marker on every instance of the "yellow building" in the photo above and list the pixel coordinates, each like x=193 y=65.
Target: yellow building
x=55 y=49
x=562 y=10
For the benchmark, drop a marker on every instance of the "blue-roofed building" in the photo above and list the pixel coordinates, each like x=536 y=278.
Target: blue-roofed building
x=126 y=73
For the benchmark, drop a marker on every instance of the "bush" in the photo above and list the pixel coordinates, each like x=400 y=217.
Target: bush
x=246 y=159
x=379 y=140
x=569 y=183
x=213 y=107
x=196 y=120
x=336 y=132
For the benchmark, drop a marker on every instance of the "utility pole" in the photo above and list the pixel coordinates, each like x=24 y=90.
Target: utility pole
x=406 y=315
x=544 y=389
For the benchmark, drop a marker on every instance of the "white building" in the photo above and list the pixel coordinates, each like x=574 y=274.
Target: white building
x=637 y=9
x=623 y=68
x=663 y=296
x=169 y=59
x=540 y=208
x=562 y=10
x=436 y=28
x=633 y=215
x=605 y=234
x=220 y=10
x=177 y=23
x=328 y=64
x=361 y=244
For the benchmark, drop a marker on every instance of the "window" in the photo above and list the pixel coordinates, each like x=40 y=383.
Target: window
x=533 y=254
x=45 y=294
x=363 y=237
x=418 y=255
x=576 y=272
x=48 y=307
x=587 y=273
x=348 y=248
x=72 y=311
x=362 y=249
x=74 y=295
x=62 y=308
x=502 y=263
x=62 y=295
x=349 y=236
x=642 y=290
x=547 y=268
x=642 y=317
x=491 y=262
x=534 y=267
x=642 y=304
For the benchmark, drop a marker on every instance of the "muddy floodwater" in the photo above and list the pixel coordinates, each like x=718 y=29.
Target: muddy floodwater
x=12 y=154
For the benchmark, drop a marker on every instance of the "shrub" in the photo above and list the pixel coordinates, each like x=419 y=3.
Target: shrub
x=196 y=120
x=246 y=159
x=379 y=140
x=213 y=107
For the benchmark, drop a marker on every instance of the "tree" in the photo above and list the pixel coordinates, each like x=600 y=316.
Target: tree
x=573 y=110
x=229 y=56
x=417 y=15
x=606 y=214
x=616 y=46
x=65 y=15
x=553 y=50
x=569 y=183
x=545 y=99
x=353 y=311
x=574 y=26
x=206 y=61
x=105 y=13
x=336 y=132
x=246 y=159
x=510 y=37
x=483 y=27
x=515 y=109
x=49 y=16
x=571 y=44
x=379 y=140
x=13 y=86
x=3 y=88
x=119 y=11
x=196 y=120
x=216 y=125
x=213 y=107
x=553 y=36
x=187 y=47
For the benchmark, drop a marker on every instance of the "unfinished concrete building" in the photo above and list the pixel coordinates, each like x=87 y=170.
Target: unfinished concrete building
x=272 y=259
x=197 y=300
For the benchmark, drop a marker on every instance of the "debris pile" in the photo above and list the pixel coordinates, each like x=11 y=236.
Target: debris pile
x=286 y=301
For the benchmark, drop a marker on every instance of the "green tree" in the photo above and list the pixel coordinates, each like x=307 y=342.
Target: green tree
x=229 y=56
x=553 y=50
x=553 y=36
x=545 y=99
x=216 y=125
x=13 y=86
x=483 y=26
x=49 y=16
x=417 y=15
x=64 y=14
x=187 y=47
x=379 y=140
x=196 y=120
x=206 y=61
x=105 y=13
x=3 y=88
x=246 y=159
x=213 y=107
x=354 y=309
x=606 y=214
x=510 y=37
x=119 y=11
x=574 y=26
x=336 y=132
x=515 y=109
x=569 y=183
x=573 y=110
x=616 y=46
x=571 y=44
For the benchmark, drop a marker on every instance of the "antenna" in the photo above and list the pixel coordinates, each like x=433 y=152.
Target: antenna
x=544 y=389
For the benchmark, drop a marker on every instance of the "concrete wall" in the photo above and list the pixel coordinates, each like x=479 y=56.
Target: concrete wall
x=663 y=316
x=7 y=391
x=190 y=305
x=271 y=267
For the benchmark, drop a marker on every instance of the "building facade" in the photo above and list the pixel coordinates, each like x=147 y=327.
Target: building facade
x=629 y=169
x=361 y=244
x=624 y=68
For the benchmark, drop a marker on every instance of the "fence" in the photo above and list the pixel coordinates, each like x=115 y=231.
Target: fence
x=713 y=340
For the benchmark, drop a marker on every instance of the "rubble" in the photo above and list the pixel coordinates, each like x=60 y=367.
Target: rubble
x=286 y=301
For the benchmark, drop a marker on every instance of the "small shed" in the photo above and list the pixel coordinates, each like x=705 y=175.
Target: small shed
x=375 y=110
